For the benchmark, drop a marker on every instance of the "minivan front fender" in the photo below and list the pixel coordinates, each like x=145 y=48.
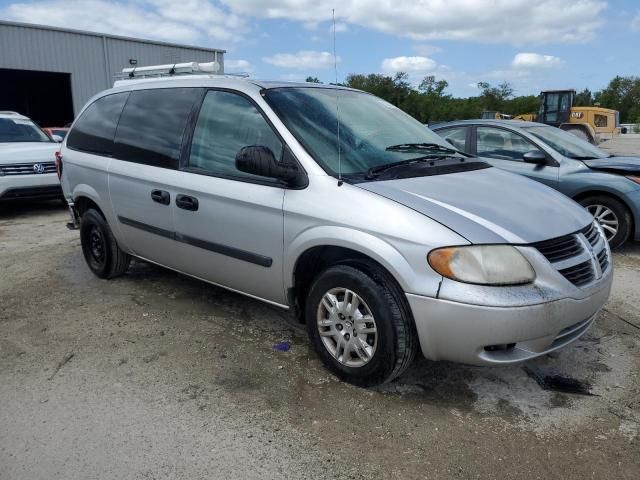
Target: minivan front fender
x=422 y=280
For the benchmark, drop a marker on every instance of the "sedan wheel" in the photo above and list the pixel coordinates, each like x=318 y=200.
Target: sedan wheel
x=613 y=216
x=347 y=327
x=607 y=219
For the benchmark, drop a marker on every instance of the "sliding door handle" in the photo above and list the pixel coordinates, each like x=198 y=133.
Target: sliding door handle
x=187 y=202
x=161 y=196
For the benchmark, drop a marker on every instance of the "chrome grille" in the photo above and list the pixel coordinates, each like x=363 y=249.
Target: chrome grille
x=591 y=234
x=580 y=257
x=603 y=259
x=579 y=274
x=559 y=248
x=26 y=168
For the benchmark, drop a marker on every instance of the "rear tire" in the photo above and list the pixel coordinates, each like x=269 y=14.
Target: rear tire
x=614 y=217
x=369 y=321
x=580 y=133
x=101 y=251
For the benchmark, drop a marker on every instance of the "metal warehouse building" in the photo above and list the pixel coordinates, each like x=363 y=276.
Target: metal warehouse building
x=49 y=73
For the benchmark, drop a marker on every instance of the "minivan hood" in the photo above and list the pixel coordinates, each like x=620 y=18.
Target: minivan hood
x=621 y=165
x=19 y=152
x=488 y=206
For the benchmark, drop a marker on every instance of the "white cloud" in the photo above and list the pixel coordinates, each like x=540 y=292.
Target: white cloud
x=535 y=60
x=340 y=27
x=426 y=50
x=237 y=66
x=303 y=60
x=193 y=21
x=503 y=21
x=635 y=23
x=408 y=64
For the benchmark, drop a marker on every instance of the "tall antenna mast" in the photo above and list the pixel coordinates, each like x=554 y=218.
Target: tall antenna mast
x=335 y=69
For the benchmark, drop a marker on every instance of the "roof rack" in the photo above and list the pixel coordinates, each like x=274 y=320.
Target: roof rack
x=171 y=70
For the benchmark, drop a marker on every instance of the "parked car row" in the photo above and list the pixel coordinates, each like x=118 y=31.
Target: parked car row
x=27 y=162
x=607 y=186
x=381 y=236
x=385 y=238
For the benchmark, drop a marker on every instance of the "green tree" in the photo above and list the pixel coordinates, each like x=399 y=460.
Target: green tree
x=622 y=94
x=583 y=98
x=494 y=98
x=312 y=80
x=392 y=89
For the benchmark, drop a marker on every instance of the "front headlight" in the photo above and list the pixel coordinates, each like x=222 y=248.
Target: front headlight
x=482 y=264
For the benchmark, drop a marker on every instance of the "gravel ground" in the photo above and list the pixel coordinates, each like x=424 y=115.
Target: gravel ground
x=157 y=376
x=627 y=144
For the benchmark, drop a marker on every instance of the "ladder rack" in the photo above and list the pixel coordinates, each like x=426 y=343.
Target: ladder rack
x=172 y=70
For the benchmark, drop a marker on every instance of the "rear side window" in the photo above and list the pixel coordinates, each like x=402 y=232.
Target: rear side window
x=152 y=126
x=96 y=127
x=502 y=144
x=456 y=136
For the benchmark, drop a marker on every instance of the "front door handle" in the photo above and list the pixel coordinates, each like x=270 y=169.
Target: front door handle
x=186 y=202
x=161 y=196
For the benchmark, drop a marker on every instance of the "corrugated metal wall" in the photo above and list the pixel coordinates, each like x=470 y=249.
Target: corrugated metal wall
x=92 y=60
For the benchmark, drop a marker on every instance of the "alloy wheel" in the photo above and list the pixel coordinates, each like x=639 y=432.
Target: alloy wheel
x=347 y=327
x=606 y=218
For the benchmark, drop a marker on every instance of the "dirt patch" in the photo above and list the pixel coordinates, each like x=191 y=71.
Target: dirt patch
x=173 y=378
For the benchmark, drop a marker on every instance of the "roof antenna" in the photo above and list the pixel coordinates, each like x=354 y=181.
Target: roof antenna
x=335 y=69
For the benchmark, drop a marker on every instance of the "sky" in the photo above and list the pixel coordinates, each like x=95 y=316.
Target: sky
x=534 y=45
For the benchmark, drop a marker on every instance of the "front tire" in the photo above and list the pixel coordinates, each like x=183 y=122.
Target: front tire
x=99 y=247
x=614 y=218
x=359 y=325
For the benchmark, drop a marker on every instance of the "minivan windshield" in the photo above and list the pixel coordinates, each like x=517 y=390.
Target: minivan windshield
x=566 y=143
x=372 y=132
x=21 y=130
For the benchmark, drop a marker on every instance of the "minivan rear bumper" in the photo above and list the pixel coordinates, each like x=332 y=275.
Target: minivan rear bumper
x=486 y=335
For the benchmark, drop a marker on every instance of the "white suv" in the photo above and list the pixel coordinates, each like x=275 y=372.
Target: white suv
x=27 y=160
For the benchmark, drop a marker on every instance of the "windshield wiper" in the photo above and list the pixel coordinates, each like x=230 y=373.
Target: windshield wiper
x=420 y=147
x=374 y=171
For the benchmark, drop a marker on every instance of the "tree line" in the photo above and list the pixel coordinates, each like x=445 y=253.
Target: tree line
x=429 y=102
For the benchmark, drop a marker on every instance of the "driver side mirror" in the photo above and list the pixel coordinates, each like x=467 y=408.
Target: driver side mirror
x=260 y=160
x=535 y=156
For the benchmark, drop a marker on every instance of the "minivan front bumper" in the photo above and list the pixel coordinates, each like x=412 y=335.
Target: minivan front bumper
x=489 y=335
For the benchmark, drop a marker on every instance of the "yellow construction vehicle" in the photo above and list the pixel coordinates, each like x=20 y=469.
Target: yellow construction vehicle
x=493 y=115
x=592 y=124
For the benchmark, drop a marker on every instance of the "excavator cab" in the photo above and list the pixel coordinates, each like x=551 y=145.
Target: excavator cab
x=555 y=106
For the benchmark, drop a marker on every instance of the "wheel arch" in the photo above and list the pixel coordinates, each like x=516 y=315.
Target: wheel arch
x=308 y=258
x=606 y=193
x=585 y=127
x=85 y=196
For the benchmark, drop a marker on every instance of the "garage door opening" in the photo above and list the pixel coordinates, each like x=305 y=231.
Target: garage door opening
x=45 y=97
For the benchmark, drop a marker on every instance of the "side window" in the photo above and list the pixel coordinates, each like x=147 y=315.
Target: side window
x=502 y=144
x=228 y=122
x=456 y=136
x=600 y=120
x=96 y=127
x=152 y=125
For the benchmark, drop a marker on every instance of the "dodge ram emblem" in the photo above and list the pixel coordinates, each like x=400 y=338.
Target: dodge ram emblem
x=38 y=168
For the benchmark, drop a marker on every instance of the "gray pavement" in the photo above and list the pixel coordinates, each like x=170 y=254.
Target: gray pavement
x=171 y=378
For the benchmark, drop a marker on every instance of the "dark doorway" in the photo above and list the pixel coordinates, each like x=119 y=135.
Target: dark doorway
x=44 y=97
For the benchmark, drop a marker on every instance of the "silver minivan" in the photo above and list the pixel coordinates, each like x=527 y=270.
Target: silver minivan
x=330 y=202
